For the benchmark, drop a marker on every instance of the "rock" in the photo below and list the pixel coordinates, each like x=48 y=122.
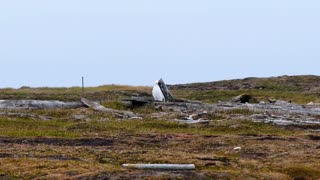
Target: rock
x=136 y=102
x=195 y=119
x=271 y=100
x=243 y=98
x=198 y=116
x=78 y=117
x=159 y=115
x=262 y=102
x=313 y=104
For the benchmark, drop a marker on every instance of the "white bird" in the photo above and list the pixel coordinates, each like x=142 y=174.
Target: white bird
x=157 y=93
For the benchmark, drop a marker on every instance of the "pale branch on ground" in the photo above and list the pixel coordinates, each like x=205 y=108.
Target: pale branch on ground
x=98 y=107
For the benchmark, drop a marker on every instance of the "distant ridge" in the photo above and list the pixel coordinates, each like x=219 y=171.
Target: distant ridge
x=308 y=83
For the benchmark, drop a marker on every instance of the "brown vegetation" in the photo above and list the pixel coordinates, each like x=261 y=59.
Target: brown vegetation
x=83 y=143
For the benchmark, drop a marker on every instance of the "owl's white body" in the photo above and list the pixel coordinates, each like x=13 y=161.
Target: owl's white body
x=157 y=93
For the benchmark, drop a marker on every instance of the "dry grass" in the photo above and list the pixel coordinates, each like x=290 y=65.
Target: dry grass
x=66 y=148
x=214 y=96
x=47 y=90
x=107 y=92
x=212 y=155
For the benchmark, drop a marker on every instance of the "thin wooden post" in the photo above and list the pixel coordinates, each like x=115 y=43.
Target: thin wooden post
x=82 y=84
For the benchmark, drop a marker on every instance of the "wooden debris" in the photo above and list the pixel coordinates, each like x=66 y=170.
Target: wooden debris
x=200 y=121
x=161 y=166
x=37 y=104
x=167 y=94
x=288 y=113
x=198 y=118
x=98 y=107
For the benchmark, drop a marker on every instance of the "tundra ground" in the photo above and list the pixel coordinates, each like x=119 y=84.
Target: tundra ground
x=84 y=144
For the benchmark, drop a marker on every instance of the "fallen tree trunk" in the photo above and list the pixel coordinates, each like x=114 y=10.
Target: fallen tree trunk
x=36 y=104
x=98 y=107
x=161 y=166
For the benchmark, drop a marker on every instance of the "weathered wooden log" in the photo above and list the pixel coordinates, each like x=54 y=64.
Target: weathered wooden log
x=199 y=121
x=167 y=94
x=37 y=104
x=98 y=107
x=161 y=166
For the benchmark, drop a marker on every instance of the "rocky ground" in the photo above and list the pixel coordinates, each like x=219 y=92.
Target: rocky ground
x=301 y=83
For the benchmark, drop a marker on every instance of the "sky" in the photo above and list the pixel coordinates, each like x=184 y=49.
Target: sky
x=56 y=42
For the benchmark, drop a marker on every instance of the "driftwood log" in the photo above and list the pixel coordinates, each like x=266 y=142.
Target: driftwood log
x=37 y=104
x=166 y=93
x=199 y=121
x=161 y=166
x=98 y=107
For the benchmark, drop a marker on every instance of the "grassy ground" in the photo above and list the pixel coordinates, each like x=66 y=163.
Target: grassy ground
x=213 y=96
x=82 y=143
x=108 y=92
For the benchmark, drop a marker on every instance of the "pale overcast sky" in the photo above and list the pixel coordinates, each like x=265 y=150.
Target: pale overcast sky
x=55 y=42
